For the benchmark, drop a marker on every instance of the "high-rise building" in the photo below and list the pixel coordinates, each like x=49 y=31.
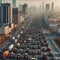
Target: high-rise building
x=24 y=9
x=6 y=16
x=47 y=6
x=0 y=14
x=13 y=3
x=43 y=6
x=52 y=6
x=20 y=7
x=15 y=15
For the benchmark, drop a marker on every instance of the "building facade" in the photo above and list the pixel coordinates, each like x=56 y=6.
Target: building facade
x=15 y=15
x=24 y=9
x=6 y=15
x=13 y=3
x=20 y=7
x=49 y=6
x=52 y=5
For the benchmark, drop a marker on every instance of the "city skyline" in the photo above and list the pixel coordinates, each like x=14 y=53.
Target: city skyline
x=38 y=4
x=35 y=2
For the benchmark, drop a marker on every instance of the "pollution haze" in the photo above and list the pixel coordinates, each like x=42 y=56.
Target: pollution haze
x=37 y=3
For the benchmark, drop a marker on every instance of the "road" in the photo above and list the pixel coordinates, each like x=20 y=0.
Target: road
x=50 y=38
x=39 y=46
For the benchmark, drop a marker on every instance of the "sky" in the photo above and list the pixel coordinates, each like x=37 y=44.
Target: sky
x=36 y=3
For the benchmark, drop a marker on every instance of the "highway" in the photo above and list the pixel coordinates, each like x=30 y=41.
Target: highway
x=33 y=43
x=50 y=39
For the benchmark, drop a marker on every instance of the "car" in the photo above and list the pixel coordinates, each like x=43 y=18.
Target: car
x=26 y=56
x=48 y=49
x=23 y=27
x=39 y=47
x=21 y=51
x=27 y=50
x=15 y=41
x=45 y=57
x=13 y=38
x=29 y=40
x=33 y=52
x=23 y=46
x=12 y=54
x=21 y=32
x=11 y=47
x=33 y=58
x=15 y=50
x=19 y=56
x=18 y=36
x=38 y=52
x=5 y=54
x=18 y=44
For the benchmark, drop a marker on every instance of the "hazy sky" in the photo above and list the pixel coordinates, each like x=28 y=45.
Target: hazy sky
x=36 y=2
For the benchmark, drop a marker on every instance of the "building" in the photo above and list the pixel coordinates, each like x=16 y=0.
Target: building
x=58 y=28
x=4 y=34
x=52 y=6
x=13 y=3
x=6 y=13
x=24 y=9
x=15 y=15
x=4 y=30
x=54 y=24
x=20 y=7
x=47 y=7
x=0 y=10
x=0 y=14
x=17 y=18
x=43 y=6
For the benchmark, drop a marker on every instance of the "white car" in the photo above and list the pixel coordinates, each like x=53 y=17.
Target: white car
x=29 y=38
x=18 y=36
x=15 y=41
x=21 y=32
x=33 y=58
x=13 y=38
x=23 y=27
x=11 y=47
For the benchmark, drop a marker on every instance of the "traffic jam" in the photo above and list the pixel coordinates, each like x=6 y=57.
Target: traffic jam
x=29 y=44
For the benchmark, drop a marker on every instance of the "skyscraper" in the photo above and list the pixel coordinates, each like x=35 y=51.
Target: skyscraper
x=20 y=7
x=6 y=16
x=0 y=14
x=52 y=7
x=47 y=6
x=13 y=3
x=15 y=15
x=24 y=9
x=43 y=6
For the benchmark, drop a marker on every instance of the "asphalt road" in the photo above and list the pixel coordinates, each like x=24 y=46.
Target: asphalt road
x=38 y=45
x=50 y=38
